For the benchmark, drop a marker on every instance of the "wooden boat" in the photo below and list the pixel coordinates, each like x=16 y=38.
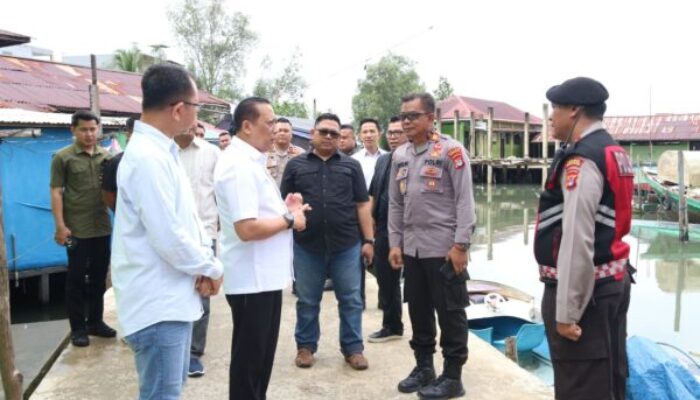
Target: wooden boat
x=667 y=192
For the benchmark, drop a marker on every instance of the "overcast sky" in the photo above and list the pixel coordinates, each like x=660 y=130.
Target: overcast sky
x=510 y=51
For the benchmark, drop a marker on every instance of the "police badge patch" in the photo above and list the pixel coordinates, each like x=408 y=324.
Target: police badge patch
x=457 y=158
x=572 y=167
x=402 y=187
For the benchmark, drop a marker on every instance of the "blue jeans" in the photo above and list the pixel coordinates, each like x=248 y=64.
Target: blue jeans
x=162 y=354
x=310 y=271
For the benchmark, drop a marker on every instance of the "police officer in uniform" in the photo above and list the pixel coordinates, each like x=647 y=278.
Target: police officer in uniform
x=431 y=220
x=584 y=212
x=283 y=149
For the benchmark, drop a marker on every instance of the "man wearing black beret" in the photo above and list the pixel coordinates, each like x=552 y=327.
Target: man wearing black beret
x=584 y=212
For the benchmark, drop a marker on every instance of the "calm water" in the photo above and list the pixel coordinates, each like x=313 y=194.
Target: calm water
x=665 y=300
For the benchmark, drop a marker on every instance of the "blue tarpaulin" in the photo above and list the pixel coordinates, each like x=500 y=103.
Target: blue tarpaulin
x=24 y=175
x=654 y=374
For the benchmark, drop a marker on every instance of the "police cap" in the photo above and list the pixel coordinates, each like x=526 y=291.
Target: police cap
x=579 y=91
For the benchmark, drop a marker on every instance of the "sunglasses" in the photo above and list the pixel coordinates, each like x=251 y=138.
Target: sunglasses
x=326 y=132
x=411 y=116
x=394 y=133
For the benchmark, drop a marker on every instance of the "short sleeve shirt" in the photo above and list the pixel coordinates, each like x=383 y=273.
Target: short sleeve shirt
x=79 y=174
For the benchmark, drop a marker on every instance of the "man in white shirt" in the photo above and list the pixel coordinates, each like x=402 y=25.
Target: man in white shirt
x=161 y=255
x=256 y=246
x=199 y=159
x=369 y=135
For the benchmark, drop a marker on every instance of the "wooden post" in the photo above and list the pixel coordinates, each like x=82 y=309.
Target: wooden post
x=545 y=141
x=682 y=204
x=314 y=109
x=95 y=93
x=489 y=147
x=438 y=117
x=511 y=348
x=472 y=135
x=526 y=136
x=11 y=377
x=526 y=225
x=456 y=132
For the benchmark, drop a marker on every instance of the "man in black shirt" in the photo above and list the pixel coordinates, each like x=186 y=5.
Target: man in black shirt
x=109 y=171
x=334 y=186
x=388 y=279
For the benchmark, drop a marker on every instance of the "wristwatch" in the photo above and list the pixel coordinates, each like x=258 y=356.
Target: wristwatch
x=462 y=246
x=368 y=241
x=289 y=218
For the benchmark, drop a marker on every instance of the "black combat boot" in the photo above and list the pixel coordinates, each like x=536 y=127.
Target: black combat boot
x=422 y=375
x=446 y=386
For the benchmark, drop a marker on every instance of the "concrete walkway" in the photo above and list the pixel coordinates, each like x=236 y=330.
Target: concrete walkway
x=105 y=369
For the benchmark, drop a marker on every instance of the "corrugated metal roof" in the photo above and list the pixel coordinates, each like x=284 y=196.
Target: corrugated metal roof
x=19 y=117
x=465 y=105
x=659 y=127
x=50 y=86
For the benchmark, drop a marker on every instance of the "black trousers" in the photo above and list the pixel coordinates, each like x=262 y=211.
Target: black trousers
x=256 y=326
x=428 y=291
x=595 y=366
x=86 y=278
x=389 y=281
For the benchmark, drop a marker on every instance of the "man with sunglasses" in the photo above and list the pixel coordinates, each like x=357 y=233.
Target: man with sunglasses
x=431 y=220
x=334 y=186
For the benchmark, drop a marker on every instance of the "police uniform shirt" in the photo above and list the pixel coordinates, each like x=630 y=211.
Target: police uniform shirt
x=277 y=161
x=582 y=185
x=431 y=201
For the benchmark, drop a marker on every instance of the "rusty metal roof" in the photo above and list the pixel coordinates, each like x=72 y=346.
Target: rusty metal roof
x=465 y=105
x=18 y=117
x=56 y=87
x=658 y=127
x=8 y=38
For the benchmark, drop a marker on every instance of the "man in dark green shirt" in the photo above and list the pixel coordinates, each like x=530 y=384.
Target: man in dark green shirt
x=83 y=226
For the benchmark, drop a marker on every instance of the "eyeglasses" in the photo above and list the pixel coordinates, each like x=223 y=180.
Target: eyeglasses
x=411 y=116
x=325 y=132
x=394 y=133
x=189 y=103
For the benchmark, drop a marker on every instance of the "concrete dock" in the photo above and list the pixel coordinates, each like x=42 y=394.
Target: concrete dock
x=105 y=369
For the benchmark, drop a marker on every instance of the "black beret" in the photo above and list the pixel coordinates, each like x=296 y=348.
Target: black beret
x=578 y=92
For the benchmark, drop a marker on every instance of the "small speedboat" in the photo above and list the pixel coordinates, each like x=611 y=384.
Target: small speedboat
x=497 y=312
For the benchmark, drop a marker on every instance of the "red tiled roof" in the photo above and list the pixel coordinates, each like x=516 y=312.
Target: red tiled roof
x=501 y=111
x=659 y=127
x=49 y=86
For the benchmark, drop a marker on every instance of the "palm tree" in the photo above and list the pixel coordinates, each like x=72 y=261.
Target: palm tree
x=129 y=59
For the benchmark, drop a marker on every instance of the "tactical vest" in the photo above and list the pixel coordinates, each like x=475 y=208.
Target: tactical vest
x=613 y=217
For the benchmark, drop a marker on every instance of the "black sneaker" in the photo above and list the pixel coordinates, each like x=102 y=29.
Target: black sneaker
x=79 y=339
x=419 y=378
x=442 y=388
x=101 y=330
x=383 y=335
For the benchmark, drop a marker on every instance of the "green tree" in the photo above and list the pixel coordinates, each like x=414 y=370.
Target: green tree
x=379 y=93
x=285 y=91
x=215 y=43
x=444 y=89
x=130 y=60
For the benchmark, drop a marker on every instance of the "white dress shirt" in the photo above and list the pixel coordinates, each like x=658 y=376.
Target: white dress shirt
x=199 y=160
x=159 y=246
x=245 y=190
x=368 y=161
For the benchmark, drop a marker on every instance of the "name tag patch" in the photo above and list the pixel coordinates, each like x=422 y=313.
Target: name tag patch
x=402 y=173
x=624 y=165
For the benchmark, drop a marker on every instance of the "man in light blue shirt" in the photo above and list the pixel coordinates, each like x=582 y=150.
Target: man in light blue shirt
x=161 y=255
